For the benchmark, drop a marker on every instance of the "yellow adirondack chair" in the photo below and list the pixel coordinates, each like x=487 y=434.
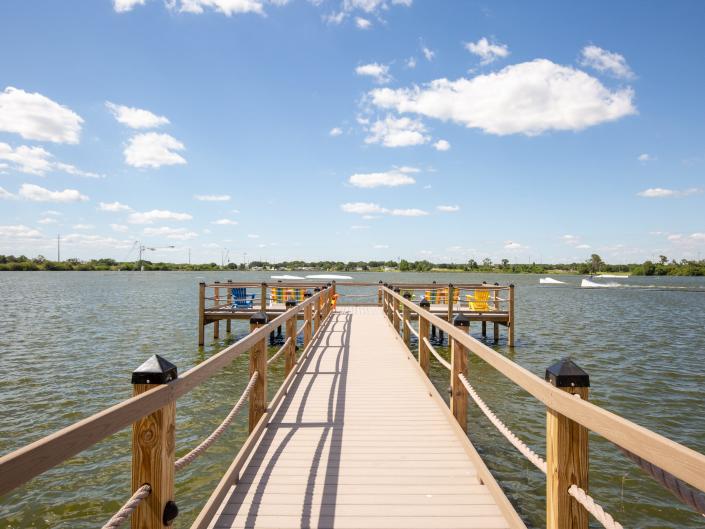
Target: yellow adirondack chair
x=478 y=302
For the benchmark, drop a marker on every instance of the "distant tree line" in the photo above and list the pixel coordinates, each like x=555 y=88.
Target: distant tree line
x=594 y=265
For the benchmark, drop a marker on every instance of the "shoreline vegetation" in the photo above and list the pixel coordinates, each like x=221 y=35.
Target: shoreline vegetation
x=593 y=266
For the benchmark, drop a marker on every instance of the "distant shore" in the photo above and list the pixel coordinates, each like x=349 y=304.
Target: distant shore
x=594 y=266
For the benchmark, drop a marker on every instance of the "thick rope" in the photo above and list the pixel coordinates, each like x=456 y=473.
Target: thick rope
x=279 y=352
x=303 y=327
x=584 y=499
x=527 y=452
x=212 y=438
x=411 y=329
x=126 y=510
x=442 y=360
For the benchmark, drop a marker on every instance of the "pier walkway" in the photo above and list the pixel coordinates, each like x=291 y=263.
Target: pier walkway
x=358 y=442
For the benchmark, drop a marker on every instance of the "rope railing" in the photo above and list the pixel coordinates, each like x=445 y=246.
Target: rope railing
x=212 y=438
x=128 y=508
x=283 y=348
x=303 y=327
x=442 y=360
x=411 y=329
x=576 y=492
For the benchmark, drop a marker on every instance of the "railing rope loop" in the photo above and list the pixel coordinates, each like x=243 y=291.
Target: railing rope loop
x=212 y=438
x=128 y=508
x=279 y=352
x=435 y=353
x=584 y=499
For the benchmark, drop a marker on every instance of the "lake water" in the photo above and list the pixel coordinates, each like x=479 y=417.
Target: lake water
x=69 y=341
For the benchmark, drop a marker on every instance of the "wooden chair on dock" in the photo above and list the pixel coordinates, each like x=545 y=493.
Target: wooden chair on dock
x=439 y=296
x=281 y=294
x=478 y=301
x=241 y=299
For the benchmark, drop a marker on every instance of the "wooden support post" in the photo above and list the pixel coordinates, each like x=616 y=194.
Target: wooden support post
x=459 y=366
x=290 y=353
x=228 y=322
x=405 y=325
x=201 y=313
x=496 y=308
x=308 y=317
x=424 y=329
x=496 y=332
x=153 y=443
x=484 y=329
x=567 y=455
x=395 y=315
x=450 y=302
x=511 y=327
x=379 y=294
x=263 y=300
x=216 y=323
x=258 y=362
x=319 y=306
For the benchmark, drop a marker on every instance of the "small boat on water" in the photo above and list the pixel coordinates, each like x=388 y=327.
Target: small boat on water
x=550 y=281
x=327 y=276
x=587 y=283
x=614 y=275
x=288 y=277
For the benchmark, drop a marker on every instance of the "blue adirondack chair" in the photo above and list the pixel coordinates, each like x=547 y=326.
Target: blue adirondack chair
x=241 y=299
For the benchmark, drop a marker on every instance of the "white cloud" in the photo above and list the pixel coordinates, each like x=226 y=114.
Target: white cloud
x=120 y=228
x=113 y=207
x=428 y=53
x=397 y=132
x=225 y=222
x=487 y=51
x=226 y=7
x=570 y=240
x=392 y=178
x=362 y=208
x=136 y=118
x=380 y=246
x=36 y=117
x=411 y=63
x=335 y=131
x=606 y=61
x=527 y=98
x=448 y=209
x=122 y=6
x=6 y=195
x=153 y=149
x=511 y=245
x=52 y=212
x=92 y=241
x=372 y=6
x=212 y=198
x=646 y=157
x=156 y=214
x=379 y=72
x=441 y=145
x=359 y=227
x=583 y=246
x=83 y=226
x=47 y=220
x=659 y=192
x=362 y=23
x=19 y=231
x=410 y=212
x=180 y=234
x=39 y=194
x=335 y=18
x=252 y=236
x=210 y=245
x=38 y=161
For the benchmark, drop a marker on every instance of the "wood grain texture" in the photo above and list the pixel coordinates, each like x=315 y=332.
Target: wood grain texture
x=153 y=445
x=258 y=395
x=458 y=394
x=290 y=354
x=424 y=353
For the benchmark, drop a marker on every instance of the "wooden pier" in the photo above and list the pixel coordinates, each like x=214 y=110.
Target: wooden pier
x=357 y=436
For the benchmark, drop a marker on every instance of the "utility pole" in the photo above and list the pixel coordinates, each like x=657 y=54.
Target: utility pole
x=58 y=247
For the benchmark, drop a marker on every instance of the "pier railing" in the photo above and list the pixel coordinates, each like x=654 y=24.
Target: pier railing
x=569 y=418
x=152 y=414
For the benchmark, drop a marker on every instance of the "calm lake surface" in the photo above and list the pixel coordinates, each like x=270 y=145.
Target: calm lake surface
x=70 y=340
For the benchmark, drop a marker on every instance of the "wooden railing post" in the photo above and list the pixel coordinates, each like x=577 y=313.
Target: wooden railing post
x=379 y=294
x=395 y=310
x=290 y=354
x=406 y=322
x=308 y=317
x=319 y=305
x=496 y=307
x=424 y=332
x=511 y=327
x=228 y=322
x=216 y=323
x=450 y=302
x=201 y=313
x=263 y=300
x=459 y=366
x=567 y=455
x=258 y=362
x=153 y=443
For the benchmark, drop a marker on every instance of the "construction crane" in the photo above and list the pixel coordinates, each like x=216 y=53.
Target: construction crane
x=141 y=248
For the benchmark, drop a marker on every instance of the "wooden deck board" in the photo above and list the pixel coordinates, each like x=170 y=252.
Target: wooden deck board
x=358 y=443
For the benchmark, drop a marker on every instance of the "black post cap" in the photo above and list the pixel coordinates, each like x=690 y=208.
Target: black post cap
x=434 y=282
x=461 y=320
x=156 y=370
x=259 y=318
x=380 y=281
x=567 y=374
x=171 y=511
x=385 y=284
x=407 y=295
x=308 y=294
x=425 y=304
x=511 y=285
x=329 y=283
x=290 y=303
x=316 y=289
x=484 y=282
x=496 y=284
x=397 y=290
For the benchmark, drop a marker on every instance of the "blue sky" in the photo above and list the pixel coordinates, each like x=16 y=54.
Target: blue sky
x=352 y=129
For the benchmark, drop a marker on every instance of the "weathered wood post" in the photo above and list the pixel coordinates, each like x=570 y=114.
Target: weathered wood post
x=459 y=366
x=379 y=293
x=258 y=362
x=567 y=455
x=228 y=322
x=308 y=319
x=153 y=444
x=512 y=327
x=290 y=354
x=395 y=310
x=216 y=300
x=450 y=302
x=201 y=313
x=406 y=323
x=263 y=298
x=424 y=332
x=496 y=308
x=319 y=304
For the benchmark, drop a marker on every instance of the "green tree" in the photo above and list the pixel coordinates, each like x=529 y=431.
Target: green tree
x=595 y=263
